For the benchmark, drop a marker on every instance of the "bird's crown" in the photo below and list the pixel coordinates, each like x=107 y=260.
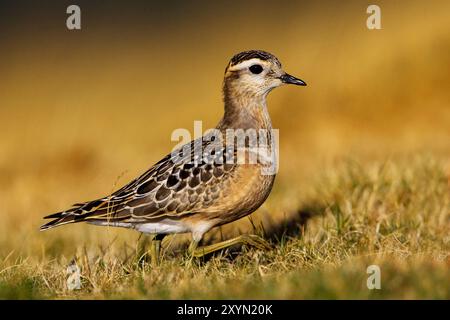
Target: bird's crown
x=253 y=54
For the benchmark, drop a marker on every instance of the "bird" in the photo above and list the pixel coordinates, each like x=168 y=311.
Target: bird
x=191 y=190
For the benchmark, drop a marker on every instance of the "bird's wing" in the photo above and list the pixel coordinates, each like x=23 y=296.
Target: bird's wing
x=170 y=188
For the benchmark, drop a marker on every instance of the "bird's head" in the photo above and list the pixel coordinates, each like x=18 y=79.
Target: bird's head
x=256 y=73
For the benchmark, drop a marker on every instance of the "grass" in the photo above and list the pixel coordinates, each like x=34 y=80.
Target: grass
x=393 y=214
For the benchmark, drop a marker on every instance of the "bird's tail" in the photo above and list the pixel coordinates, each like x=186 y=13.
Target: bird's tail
x=100 y=209
x=59 y=219
x=79 y=212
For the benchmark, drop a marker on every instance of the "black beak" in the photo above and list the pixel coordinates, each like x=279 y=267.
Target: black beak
x=287 y=78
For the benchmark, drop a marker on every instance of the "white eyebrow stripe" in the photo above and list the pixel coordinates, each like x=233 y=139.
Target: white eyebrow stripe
x=246 y=64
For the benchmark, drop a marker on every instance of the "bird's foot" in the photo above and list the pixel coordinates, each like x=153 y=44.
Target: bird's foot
x=245 y=239
x=154 y=252
x=155 y=249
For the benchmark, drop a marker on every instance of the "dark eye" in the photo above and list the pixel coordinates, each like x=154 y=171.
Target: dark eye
x=256 y=68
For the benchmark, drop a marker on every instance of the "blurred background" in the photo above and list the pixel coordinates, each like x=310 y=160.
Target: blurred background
x=83 y=112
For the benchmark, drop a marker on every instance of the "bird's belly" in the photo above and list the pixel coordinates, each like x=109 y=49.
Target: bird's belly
x=245 y=195
x=164 y=226
x=253 y=200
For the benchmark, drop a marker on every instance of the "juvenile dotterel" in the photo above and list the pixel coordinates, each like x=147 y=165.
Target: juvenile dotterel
x=182 y=194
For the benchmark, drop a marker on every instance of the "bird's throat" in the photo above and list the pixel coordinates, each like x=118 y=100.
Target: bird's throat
x=245 y=111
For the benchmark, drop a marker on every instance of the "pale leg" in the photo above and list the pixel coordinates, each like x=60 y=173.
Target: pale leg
x=248 y=239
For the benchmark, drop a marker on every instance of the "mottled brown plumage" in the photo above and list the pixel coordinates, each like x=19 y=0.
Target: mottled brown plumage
x=195 y=194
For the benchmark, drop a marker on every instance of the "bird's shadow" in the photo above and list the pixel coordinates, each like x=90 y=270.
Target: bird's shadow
x=294 y=226
x=275 y=233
